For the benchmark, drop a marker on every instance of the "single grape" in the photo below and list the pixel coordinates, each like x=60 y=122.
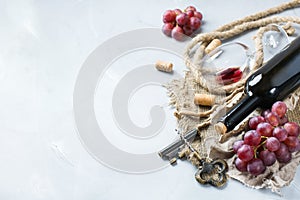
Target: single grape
x=192 y=8
x=265 y=129
x=292 y=128
x=177 y=11
x=291 y=141
x=254 y=121
x=187 y=30
x=198 y=15
x=240 y=165
x=245 y=153
x=236 y=145
x=284 y=158
x=195 y=23
x=282 y=150
x=265 y=112
x=252 y=138
x=167 y=29
x=283 y=120
x=272 y=118
x=280 y=133
x=169 y=16
x=177 y=33
x=296 y=148
x=268 y=157
x=256 y=167
x=182 y=19
x=272 y=144
x=279 y=108
x=190 y=13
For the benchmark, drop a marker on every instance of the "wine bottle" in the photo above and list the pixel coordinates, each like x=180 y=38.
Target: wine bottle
x=274 y=81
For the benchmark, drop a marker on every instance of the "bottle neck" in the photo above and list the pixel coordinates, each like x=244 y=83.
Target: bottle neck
x=240 y=111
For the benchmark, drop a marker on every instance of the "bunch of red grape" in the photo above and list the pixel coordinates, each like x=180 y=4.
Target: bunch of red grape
x=271 y=137
x=178 y=23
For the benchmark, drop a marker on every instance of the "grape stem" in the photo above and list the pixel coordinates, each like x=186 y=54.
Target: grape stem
x=255 y=149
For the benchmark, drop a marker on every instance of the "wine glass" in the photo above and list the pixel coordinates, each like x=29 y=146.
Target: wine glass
x=227 y=64
x=274 y=41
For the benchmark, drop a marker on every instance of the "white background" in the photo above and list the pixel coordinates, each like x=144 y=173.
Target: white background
x=42 y=47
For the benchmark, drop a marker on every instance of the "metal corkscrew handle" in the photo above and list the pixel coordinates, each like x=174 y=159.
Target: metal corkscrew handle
x=209 y=171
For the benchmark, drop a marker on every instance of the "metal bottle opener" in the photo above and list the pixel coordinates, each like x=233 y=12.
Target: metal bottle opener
x=209 y=171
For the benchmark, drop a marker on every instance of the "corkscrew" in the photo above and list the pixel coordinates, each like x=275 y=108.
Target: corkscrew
x=209 y=171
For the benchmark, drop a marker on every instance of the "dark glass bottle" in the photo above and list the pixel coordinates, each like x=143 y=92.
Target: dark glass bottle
x=272 y=82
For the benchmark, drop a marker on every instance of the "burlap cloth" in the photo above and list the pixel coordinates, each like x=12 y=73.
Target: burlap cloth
x=181 y=92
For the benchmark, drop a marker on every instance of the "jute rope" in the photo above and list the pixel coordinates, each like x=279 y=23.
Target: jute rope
x=260 y=15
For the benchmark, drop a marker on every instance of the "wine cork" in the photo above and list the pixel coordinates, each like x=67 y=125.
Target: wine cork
x=173 y=161
x=291 y=31
x=212 y=45
x=177 y=115
x=220 y=128
x=164 y=66
x=204 y=99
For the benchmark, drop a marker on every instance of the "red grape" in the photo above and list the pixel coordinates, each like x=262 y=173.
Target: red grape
x=272 y=144
x=195 y=23
x=252 y=138
x=169 y=16
x=177 y=33
x=283 y=120
x=265 y=112
x=182 y=19
x=254 y=121
x=265 y=129
x=198 y=15
x=190 y=13
x=296 y=148
x=280 y=133
x=272 y=118
x=292 y=128
x=192 y=8
x=167 y=28
x=268 y=157
x=256 y=167
x=291 y=141
x=282 y=150
x=245 y=153
x=237 y=144
x=240 y=165
x=284 y=158
x=279 y=108
x=177 y=11
x=187 y=30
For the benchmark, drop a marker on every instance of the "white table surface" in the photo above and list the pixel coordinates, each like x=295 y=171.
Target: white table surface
x=43 y=45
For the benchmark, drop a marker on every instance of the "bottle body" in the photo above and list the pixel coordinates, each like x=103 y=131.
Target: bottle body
x=272 y=82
